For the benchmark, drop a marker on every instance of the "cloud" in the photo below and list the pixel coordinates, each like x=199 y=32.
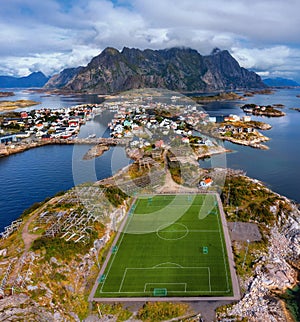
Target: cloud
x=51 y=34
x=277 y=61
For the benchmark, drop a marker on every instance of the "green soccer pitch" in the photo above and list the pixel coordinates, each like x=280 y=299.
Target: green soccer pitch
x=172 y=245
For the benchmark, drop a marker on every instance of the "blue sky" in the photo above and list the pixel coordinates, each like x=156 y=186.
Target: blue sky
x=50 y=35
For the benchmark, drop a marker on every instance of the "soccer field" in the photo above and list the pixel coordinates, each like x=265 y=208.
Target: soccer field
x=172 y=245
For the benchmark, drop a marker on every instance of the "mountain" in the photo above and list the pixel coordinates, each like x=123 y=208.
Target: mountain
x=36 y=79
x=280 y=82
x=61 y=79
x=179 y=69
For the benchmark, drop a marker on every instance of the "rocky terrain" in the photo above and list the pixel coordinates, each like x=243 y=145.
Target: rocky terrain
x=275 y=270
x=46 y=284
x=179 y=69
x=61 y=79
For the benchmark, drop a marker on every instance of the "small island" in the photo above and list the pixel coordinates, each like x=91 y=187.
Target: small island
x=95 y=152
x=6 y=94
x=219 y=97
x=243 y=133
x=238 y=130
x=12 y=105
x=295 y=109
x=266 y=91
x=268 y=110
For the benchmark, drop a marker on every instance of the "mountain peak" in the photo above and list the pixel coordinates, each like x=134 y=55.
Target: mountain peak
x=110 y=51
x=35 y=79
x=216 y=51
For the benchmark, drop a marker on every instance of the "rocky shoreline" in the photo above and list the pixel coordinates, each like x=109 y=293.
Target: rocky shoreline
x=95 y=152
x=256 y=143
x=276 y=270
x=7 y=150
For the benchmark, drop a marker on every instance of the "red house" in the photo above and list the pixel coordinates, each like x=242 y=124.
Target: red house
x=24 y=115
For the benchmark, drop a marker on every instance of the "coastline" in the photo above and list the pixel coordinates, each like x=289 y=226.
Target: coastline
x=13 y=105
x=253 y=144
x=7 y=150
x=251 y=283
x=281 y=245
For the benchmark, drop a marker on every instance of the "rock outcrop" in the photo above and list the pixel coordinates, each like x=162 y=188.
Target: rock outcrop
x=273 y=273
x=61 y=79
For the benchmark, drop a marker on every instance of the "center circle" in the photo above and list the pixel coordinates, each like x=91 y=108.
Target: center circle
x=173 y=232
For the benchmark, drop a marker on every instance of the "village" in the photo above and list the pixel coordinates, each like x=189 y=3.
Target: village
x=45 y=124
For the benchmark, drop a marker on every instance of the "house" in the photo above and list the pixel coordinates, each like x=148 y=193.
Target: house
x=8 y=138
x=22 y=135
x=246 y=118
x=24 y=115
x=232 y=118
x=127 y=123
x=206 y=183
x=46 y=137
x=159 y=144
x=73 y=122
x=212 y=119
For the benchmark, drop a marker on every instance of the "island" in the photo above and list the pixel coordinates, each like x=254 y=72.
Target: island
x=268 y=110
x=223 y=96
x=12 y=105
x=238 y=130
x=95 y=152
x=295 y=109
x=139 y=122
x=266 y=91
x=6 y=94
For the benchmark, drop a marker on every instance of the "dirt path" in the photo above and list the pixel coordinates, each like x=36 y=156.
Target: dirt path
x=28 y=239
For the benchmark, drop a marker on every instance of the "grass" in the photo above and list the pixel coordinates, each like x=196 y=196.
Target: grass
x=163 y=247
x=161 y=311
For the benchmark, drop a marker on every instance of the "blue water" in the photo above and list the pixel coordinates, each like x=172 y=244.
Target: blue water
x=279 y=166
x=50 y=101
x=36 y=174
x=32 y=176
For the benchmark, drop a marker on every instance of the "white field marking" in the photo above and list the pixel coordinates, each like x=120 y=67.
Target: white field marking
x=197 y=231
x=224 y=257
x=196 y=292
x=186 y=231
x=121 y=285
x=114 y=254
x=208 y=268
x=176 y=231
x=175 y=265
x=155 y=267
x=146 y=284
